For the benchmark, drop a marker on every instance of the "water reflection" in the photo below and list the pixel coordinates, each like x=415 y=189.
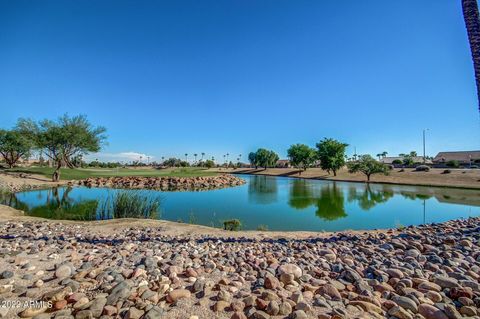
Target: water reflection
x=331 y=203
x=263 y=189
x=301 y=194
x=368 y=197
x=57 y=205
x=328 y=199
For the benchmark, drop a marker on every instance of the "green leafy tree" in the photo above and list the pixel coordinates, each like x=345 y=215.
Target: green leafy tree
x=368 y=166
x=301 y=155
x=64 y=139
x=172 y=162
x=265 y=158
x=331 y=154
x=13 y=146
x=209 y=163
x=252 y=158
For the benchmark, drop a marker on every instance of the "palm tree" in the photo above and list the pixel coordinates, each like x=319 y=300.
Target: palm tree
x=472 y=23
x=203 y=154
x=186 y=157
x=195 y=155
x=384 y=154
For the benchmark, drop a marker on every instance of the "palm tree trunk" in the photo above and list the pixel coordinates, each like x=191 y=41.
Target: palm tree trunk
x=472 y=22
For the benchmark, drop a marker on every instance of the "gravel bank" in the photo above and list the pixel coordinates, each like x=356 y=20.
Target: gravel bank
x=430 y=272
x=167 y=183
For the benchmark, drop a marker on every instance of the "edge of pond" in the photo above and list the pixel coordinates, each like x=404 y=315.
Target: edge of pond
x=9 y=214
x=360 y=182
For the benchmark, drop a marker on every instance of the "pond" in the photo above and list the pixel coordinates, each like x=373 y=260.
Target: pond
x=275 y=203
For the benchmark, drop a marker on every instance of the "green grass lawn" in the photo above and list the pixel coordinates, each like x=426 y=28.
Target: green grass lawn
x=82 y=173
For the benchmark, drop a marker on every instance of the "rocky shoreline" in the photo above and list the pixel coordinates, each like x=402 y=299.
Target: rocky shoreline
x=430 y=272
x=167 y=183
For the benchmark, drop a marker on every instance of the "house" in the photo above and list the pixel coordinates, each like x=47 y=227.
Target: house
x=462 y=157
x=283 y=163
x=391 y=159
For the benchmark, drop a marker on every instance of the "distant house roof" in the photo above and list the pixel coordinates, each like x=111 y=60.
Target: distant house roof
x=283 y=161
x=460 y=156
x=416 y=159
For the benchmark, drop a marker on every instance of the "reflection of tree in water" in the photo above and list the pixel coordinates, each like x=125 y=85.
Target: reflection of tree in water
x=10 y=199
x=56 y=206
x=301 y=195
x=329 y=200
x=262 y=189
x=369 y=198
x=415 y=196
x=331 y=203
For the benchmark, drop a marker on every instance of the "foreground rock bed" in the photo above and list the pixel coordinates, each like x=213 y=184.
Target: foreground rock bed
x=430 y=272
x=167 y=183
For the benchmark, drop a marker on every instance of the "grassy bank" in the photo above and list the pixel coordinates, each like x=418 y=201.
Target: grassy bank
x=82 y=173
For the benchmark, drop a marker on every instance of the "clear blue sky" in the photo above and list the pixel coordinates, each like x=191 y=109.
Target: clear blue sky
x=174 y=77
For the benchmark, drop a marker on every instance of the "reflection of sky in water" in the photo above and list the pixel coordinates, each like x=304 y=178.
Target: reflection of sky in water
x=297 y=204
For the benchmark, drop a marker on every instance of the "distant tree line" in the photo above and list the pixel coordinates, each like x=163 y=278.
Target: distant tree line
x=329 y=154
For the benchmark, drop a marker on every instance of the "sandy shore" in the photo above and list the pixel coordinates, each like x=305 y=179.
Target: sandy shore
x=21 y=181
x=458 y=178
x=168 y=227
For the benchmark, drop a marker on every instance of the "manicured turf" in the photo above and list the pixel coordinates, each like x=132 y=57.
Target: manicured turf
x=82 y=173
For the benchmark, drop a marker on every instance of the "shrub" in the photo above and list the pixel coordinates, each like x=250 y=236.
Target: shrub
x=131 y=204
x=397 y=162
x=453 y=164
x=447 y=171
x=209 y=164
x=422 y=168
x=262 y=227
x=408 y=161
x=232 y=225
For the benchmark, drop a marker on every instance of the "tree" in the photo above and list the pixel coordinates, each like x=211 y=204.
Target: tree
x=331 y=154
x=172 y=162
x=265 y=158
x=203 y=154
x=13 y=146
x=301 y=155
x=413 y=154
x=252 y=158
x=368 y=166
x=195 y=155
x=472 y=23
x=209 y=164
x=64 y=139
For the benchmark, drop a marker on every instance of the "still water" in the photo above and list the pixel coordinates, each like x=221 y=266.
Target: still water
x=280 y=203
